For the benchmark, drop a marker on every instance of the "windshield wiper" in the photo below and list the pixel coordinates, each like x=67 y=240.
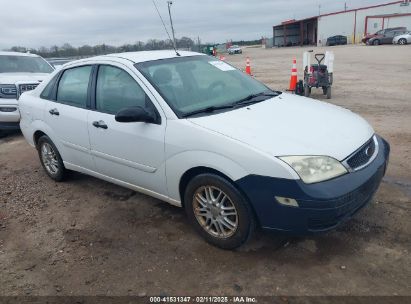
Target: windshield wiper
x=207 y=110
x=254 y=98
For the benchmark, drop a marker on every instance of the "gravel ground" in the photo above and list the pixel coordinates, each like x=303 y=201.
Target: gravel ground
x=89 y=237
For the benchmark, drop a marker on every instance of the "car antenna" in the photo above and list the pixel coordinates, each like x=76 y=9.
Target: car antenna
x=168 y=34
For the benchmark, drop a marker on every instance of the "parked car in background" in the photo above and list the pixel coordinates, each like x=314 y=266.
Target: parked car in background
x=386 y=38
x=173 y=126
x=19 y=72
x=234 y=49
x=336 y=40
x=57 y=63
x=402 y=39
x=382 y=32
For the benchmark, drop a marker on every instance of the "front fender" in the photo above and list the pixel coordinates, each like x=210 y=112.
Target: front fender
x=180 y=163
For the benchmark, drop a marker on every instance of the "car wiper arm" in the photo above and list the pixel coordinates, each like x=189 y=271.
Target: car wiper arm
x=253 y=97
x=207 y=110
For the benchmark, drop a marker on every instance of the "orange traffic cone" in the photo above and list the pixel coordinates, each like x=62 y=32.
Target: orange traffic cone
x=293 y=80
x=222 y=58
x=247 y=66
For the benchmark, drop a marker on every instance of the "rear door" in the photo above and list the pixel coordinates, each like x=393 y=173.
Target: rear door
x=66 y=115
x=128 y=152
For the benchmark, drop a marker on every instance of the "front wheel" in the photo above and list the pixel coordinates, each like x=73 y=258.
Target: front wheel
x=402 y=41
x=50 y=159
x=376 y=42
x=218 y=211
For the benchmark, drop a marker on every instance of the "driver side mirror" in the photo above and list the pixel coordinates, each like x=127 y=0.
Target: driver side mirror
x=135 y=114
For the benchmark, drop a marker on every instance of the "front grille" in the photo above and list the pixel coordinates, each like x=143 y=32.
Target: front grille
x=363 y=155
x=27 y=87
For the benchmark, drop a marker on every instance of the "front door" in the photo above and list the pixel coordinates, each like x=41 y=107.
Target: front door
x=128 y=152
x=67 y=117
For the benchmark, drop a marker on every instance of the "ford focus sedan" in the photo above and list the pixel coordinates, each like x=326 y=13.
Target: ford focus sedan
x=198 y=133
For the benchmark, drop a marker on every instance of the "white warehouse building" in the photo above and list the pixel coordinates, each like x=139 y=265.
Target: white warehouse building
x=353 y=23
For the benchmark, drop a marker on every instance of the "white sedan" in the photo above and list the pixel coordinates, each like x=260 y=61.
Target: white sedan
x=402 y=39
x=198 y=133
x=234 y=49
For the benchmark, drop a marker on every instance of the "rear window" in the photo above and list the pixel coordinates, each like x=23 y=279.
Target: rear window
x=23 y=64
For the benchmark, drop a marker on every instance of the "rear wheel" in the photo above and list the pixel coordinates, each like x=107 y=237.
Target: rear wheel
x=218 y=211
x=50 y=159
x=402 y=41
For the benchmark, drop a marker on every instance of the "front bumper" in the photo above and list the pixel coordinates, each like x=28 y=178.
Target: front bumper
x=322 y=206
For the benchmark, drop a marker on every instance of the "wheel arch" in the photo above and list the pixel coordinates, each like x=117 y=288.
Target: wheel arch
x=37 y=135
x=193 y=172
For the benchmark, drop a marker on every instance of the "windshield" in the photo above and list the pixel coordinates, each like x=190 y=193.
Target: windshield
x=23 y=64
x=190 y=84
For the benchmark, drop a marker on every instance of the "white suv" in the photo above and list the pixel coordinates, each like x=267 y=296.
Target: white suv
x=198 y=133
x=19 y=72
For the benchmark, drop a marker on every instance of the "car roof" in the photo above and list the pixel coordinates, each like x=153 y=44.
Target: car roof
x=144 y=56
x=18 y=54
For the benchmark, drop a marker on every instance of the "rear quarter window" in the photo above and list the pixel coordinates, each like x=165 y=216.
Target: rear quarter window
x=47 y=91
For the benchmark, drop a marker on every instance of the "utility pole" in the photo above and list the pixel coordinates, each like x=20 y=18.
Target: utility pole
x=319 y=9
x=170 y=3
x=345 y=6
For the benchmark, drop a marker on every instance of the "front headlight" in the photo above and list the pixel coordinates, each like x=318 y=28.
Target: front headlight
x=313 y=169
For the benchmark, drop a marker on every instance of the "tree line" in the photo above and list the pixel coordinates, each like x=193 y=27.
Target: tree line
x=67 y=50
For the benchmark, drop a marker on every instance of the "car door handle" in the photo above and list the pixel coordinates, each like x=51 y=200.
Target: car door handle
x=100 y=124
x=54 y=112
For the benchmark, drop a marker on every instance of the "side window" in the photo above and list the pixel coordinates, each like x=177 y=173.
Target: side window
x=73 y=86
x=49 y=87
x=117 y=90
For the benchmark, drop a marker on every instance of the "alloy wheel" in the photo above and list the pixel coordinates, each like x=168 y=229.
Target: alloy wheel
x=49 y=158
x=215 y=211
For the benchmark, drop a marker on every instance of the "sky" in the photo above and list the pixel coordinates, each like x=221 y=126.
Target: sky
x=37 y=23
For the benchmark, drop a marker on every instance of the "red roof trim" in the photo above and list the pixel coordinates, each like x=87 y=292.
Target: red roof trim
x=362 y=8
x=347 y=11
x=390 y=15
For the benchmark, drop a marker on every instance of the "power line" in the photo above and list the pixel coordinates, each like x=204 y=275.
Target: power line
x=168 y=34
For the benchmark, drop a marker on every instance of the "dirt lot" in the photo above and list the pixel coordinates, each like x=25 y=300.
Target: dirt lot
x=88 y=237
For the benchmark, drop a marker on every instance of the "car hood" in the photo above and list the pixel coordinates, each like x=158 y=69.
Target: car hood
x=292 y=125
x=12 y=78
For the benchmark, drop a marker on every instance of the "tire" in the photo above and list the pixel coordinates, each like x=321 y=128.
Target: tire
x=402 y=41
x=201 y=199
x=376 y=42
x=307 y=91
x=50 y=159
x=329 y=93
